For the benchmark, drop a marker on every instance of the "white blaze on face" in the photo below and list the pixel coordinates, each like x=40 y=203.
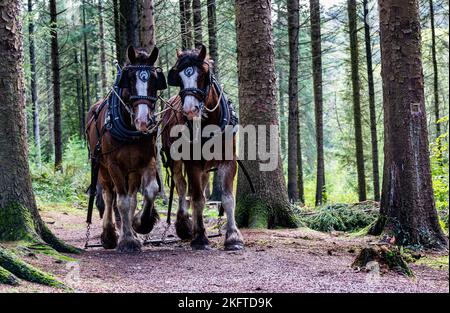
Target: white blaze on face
x=141 y=86
x=189 y=77
x=142 y=90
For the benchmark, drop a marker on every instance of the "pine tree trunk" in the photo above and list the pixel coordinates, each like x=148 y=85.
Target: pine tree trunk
x=435 y=73
x=148 y=40
x=33 y=87
x=316 y=49
x=50 y=116
x=293 y=30
x=185 y=23
x=282 y=114
x=56 y=85
x=212 y=35
x=300 y=182
x=373 y=115
x=216 y=193
x=123 y=33
x=132 y=23
x=19 y=216
x=353 y=31
x=184 y=44
x=80 y=95
x=269 y=207
x=86 y=70
x=407 y=211
x=101 y=31
x=117 y=36
x=198 y=32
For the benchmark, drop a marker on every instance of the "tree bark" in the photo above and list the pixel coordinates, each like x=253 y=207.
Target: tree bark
x=293 y=131
x=50 y=117
x=123 y=33
x=80 y=96
x=301 y=185
x=353 y=31
x=117 y=36
x=132 y=23
x=101 y=31
x=198 y=32
x=148 y=38
x=185 y=24
x=282 y=106
x=316 y=49
x=33 y=85
x=435 y=74
x=407 y=211
x=86 y=71
x=212 y=35
x=56 y=85
x=216 y=193
x=373 y=115
x=269 y=206
x=19 y=216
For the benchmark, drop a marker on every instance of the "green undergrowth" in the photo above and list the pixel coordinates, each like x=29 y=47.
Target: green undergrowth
x=342 y=217
x=436 y=262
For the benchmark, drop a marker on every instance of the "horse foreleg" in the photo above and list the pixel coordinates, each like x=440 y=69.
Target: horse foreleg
x=183 y=224
x=233 y=238
x=200 y=241
x=144 y=220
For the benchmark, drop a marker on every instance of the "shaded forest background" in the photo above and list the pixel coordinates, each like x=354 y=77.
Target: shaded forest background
x=86 y=32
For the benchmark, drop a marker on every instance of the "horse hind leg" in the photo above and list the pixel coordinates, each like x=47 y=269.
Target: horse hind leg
x=200 y=241
x=183 y=224
x=145 y=220
x=233 y=238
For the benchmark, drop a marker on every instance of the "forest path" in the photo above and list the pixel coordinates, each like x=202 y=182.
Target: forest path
x=299 y=260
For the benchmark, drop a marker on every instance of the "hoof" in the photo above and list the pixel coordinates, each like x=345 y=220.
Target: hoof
x=200 y=243
x=234 y=241
x=129 y=245
x=234 y=246
x=184 y=228
x=109 y=239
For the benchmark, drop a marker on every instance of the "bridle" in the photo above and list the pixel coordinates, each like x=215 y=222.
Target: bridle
x=145 y=74
x=200 y=94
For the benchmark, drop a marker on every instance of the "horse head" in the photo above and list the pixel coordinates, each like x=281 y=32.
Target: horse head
x=193 y=74
x=140 y=81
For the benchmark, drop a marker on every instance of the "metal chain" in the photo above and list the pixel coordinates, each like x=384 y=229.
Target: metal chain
x=219 y=227
x=164 y=235
x=88 y=235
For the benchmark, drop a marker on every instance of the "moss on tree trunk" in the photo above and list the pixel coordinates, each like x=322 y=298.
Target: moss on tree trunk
x=7 y=278
x=17 y=268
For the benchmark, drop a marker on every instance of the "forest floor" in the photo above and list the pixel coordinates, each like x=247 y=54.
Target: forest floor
x=297 y=260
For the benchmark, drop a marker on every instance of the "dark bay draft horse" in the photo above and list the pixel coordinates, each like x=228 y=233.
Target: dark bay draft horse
x=121 y=135
x=200 y=97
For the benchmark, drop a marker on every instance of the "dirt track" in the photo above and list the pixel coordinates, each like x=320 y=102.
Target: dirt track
x=274 y=261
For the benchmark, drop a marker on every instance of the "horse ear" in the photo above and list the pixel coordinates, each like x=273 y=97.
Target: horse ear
x=202 y=54
x=131 y=54
x=154 y=56
x=178 y=53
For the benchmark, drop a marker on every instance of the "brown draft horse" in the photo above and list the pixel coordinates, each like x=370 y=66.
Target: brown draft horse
x=125 y=167
x=193 y=73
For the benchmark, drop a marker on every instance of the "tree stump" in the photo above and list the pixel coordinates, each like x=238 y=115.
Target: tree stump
x=388 y=258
